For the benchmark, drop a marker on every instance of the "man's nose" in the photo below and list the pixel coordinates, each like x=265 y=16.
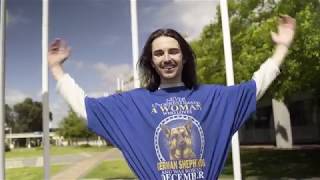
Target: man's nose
x=167 y=56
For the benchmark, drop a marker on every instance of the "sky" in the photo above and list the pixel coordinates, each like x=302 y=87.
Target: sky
x=99 y=33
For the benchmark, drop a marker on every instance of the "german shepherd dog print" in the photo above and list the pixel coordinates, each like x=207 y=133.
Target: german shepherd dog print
x=180 y=141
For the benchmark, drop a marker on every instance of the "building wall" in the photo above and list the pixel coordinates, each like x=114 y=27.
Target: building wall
x=304 y=117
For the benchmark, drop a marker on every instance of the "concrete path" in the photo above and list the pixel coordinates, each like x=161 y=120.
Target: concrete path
x=38 y=161
x=80 y=169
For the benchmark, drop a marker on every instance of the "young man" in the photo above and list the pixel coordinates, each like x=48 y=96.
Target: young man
x=173 y=128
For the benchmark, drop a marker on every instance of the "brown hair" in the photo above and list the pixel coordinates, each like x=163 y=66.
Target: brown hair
x=149 y=76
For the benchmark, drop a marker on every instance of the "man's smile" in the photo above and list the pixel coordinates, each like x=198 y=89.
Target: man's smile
x=168 y=66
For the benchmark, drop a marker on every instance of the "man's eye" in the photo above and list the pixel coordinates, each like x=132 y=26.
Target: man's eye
x=158 y=53
x=174 y=51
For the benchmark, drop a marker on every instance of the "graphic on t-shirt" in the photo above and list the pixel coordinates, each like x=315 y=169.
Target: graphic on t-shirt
x=179 y=141
x=179 y=145
x=176 y=105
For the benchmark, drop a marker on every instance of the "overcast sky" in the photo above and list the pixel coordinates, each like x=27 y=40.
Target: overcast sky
x=99 y=33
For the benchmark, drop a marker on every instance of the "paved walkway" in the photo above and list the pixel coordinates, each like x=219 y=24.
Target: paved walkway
x=38 y=161
x=80 y=169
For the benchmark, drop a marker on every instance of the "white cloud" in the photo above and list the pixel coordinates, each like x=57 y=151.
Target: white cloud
x=38 y=96
x=79 y=64
x=190 y=16
x=110 y=73
x=17 y=18
x=109 y=39
x=75 y=64
x=13 y=96
x=98 y=93
x=201 y=14
x=59 y=109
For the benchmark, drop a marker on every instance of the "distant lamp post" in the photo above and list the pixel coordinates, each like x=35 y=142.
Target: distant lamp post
x=120 y=85
x=118 y=90
x=10 y=137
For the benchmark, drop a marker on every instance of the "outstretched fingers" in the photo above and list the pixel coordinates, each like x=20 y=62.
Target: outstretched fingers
x=59 y=45
x=287 y=21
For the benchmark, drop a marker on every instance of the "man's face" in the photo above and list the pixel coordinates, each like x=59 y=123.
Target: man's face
x=167 y=59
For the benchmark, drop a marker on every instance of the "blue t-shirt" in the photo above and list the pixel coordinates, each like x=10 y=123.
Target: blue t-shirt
x=173 y=133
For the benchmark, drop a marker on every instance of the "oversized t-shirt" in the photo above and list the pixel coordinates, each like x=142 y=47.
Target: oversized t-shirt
x=174 y=133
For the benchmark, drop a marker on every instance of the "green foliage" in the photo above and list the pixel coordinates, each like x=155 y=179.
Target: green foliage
x=302 y=68
x=9 y=116
x=210 y=68
x=6 y=147
x=85 y=145
x=26 y=116
x=250 y=24
x=73 y=127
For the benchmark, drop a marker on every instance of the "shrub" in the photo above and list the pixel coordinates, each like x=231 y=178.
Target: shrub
x=7 y=147
x=85 y=145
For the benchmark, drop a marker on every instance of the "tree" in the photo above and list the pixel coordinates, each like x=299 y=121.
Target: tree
x=251 y=22
x=27 y=116
x=9 y=116
x=73 y=127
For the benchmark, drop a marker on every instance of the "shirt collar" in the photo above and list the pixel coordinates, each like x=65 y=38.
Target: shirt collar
x=170 y=85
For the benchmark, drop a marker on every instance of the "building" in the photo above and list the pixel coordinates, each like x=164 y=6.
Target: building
x=304 y=113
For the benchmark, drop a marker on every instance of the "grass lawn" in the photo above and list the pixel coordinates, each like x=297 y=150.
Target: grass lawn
x=259 y=163
x=117 y=169
x=272 y=164
x=30 y=173
x=54 y=150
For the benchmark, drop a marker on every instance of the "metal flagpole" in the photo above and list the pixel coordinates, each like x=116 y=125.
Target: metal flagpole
x=2 y=88
x=230 y=81
x=45 y=94
x=135 y=43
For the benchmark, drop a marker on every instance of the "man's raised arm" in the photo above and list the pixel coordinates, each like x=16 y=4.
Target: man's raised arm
x=269 y=70
x=58 y=52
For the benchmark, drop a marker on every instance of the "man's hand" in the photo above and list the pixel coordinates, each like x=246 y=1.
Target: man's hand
x=58 y=52
x=286 y=31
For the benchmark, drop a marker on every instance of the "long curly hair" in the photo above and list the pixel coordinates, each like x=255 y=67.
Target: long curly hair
x=148 y=75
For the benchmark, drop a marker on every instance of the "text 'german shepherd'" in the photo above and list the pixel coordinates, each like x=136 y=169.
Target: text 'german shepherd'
x=180 y=141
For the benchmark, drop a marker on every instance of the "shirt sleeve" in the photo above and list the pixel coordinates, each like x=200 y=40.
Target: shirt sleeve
x=73 y=94
x=267 y=72
x=107 y=117
x=242 y=101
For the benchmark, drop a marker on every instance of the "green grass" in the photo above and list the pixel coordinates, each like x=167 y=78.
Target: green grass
x=33 y=152
x=117 y=169
x=258 y=163
x=30 y=173
x=272 y=164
